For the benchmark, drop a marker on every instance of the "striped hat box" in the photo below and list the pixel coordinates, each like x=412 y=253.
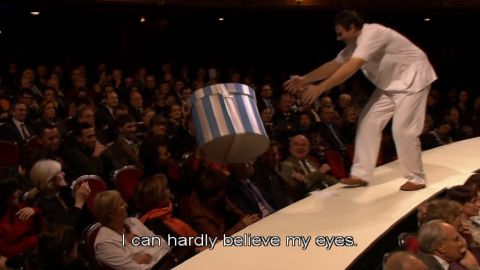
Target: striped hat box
x=228 y=127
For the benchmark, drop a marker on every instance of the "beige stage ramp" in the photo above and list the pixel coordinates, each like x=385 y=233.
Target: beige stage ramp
x=341 y=222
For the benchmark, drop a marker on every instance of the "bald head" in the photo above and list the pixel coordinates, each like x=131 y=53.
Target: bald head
x=403 y=260
x=299 y=147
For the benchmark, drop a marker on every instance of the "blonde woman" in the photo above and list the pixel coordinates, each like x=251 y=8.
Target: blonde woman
x=115 y=244
x=48 y=178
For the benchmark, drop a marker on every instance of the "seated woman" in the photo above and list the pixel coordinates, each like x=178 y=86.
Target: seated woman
x=19 y=225
x=209 y=209
x=53 y=197
x=467 y=197
x=152 y=197
x=113 y=244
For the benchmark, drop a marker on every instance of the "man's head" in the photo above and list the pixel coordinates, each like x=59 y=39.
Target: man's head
x=127 y=126
x=49 y=137
x=403 y=260
x=439 y=238
x=348 y=26
x=271 y=158
x=266 y=91
x=86 y=135
x=19 y=111
x=111 y=99
x=136 y=99
x=327 y=114
x=344 y=100
x=299 y=147
x=86 y=115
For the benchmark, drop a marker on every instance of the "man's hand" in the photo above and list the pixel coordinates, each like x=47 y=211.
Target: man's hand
x=294 y=84
x=312 y=93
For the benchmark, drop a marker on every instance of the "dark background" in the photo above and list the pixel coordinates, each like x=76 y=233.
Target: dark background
x=292 y=40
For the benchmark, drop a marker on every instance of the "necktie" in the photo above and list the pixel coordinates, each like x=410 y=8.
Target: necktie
x=265 y=208
x=24 y=131
x=305 y=167
x=334 y=134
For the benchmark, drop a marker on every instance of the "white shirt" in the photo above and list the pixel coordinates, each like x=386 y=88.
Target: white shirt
x=442 y=262
x=392 y=62
x=109 y=248
x=18 y=124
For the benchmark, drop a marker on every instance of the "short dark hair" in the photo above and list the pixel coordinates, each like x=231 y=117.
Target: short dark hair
x=123 y=120
x=346 y=18
x=461 y=194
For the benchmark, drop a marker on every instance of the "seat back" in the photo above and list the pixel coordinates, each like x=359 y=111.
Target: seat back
x=9 y=154
x=335 y=161
x=409 y=242
x=126 y=180
x=96 y=185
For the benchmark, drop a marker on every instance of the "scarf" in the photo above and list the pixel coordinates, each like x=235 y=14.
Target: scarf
x=174 y=224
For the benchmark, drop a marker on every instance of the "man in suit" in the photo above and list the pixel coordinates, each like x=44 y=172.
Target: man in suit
x=267 y=177
x=125 y=150
x=245 y=194
x=302 y=171
x=17 y=129
x=443 y=248
x=106 y=114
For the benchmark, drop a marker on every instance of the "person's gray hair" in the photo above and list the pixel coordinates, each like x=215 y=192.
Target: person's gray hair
x=43 y=173
x=430 y=234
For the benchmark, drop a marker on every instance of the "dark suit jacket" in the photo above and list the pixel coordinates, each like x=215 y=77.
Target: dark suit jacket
x=107 y=122
x=243 y=198
x=329 y=138
x=272 y=183
x=79 y=161
x=10 y=132
x=315 y=180
x=119 y=154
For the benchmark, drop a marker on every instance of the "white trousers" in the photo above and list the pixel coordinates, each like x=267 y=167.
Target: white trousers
x=408 y=112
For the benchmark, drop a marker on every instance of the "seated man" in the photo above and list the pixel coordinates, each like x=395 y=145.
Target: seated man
x=303 y=172
x=83 y=159
x=442 y=247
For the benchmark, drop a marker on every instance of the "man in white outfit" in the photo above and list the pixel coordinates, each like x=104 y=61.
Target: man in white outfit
x=402 y=74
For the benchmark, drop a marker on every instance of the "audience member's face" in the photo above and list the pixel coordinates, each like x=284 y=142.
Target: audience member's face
x=147 y=117
x=285 y=103
x=351 y=116
x=88 y=116
x=88 y=138
x=128 y=130
x=150 y=82
x=175 y=112
x=120 y=213
x=159 y=130
x=128 y=82
x=136 y=100
x=26 y=83
x=179 y=85
x=186 y=93
x=267 y=115
x=117 y=74
x=454 y=115
x=272 y=157
x=344 y=101
x=327 y=115
x=50 y=139
x=120 y=112
x=470 y=209
x=49 y=111
x=305 y=120
x=463 y=98
x=27 y=99
x=20 y=112
x=300 y=147
x=59 y=180
x=326 y=102
x=453 y=247
x=111 y=99
x=266 y=92
x=50 y=95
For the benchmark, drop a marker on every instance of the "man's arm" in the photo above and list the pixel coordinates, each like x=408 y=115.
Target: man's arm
x=339 y=76
x=324 y=71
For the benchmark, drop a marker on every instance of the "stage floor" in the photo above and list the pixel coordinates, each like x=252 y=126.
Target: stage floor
x=340 y=223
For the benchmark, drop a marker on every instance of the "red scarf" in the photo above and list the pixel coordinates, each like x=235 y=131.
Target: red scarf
x=174 y=224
